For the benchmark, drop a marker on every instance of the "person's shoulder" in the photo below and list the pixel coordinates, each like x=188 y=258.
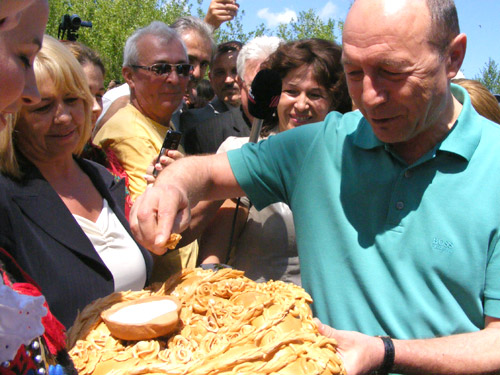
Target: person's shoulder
x=95 y=170
x=194 y=116
x=117 y=92
x=232 y=143
x=122 y=124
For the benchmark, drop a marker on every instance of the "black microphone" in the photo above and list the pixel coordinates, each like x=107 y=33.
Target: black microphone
x=263 y=99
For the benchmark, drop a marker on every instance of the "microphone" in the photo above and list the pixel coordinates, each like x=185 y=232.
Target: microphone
x=263 y=99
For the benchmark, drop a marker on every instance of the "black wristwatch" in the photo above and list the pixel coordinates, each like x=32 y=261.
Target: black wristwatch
x=389 y=353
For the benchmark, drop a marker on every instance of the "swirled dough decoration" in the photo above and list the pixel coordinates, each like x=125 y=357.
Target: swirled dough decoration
x=228 y=324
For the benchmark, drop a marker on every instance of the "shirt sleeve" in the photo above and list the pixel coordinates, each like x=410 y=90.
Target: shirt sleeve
x=135 y=155
x=267 y=171
x=492 y=284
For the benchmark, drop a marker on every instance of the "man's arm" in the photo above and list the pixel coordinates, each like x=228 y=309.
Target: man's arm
x=468 y=353
x=166 y=206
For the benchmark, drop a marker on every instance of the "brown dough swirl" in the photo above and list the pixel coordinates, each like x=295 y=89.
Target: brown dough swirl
x=228 y=325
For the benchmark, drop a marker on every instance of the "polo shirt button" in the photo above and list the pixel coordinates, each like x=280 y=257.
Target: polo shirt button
x=408 y=173
x=400 y=205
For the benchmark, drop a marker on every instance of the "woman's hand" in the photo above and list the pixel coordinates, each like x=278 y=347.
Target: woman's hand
x=165 y=160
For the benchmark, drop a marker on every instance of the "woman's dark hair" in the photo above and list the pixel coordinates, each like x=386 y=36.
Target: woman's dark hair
x=324 y=57
x=85 y=55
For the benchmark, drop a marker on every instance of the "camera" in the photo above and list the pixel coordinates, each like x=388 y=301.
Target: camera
x=70 y=25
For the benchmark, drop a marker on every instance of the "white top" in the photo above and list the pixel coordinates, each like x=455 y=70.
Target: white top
x=117 y=249
x=266 y=248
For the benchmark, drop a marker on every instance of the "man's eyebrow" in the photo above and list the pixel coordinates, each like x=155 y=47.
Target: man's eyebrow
x=395 y=63
x=384 y=62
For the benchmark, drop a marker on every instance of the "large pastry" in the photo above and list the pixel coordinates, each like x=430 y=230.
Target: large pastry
x=228 y=324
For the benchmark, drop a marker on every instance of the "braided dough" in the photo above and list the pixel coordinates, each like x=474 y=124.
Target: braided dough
x=173 y=240
x=228 y=325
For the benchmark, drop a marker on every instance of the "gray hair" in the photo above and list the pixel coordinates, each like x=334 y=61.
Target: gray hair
x=155 y=28
x=189 y=23
x=444 y=26
x=258 y=48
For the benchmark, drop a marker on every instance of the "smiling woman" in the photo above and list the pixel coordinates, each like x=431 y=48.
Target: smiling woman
x=313 y=84
x=62 y=216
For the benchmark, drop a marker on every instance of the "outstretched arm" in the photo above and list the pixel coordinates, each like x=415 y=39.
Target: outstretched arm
x=166 y=206
x=468 y=353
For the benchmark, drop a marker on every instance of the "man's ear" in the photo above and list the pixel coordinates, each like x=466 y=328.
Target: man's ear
x=128 y=75
x=456 y=55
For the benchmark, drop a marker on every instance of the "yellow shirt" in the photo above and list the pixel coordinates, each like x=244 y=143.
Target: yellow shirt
x=136 y=141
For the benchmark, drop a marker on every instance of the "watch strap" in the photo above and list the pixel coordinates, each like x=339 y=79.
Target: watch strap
x=389 y=354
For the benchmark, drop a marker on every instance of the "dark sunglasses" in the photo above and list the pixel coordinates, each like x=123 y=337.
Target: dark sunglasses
x=166 y=68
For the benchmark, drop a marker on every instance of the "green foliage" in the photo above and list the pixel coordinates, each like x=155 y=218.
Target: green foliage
x=308 y=25
x=490 y=76
x=112 y=23
x=114 y=20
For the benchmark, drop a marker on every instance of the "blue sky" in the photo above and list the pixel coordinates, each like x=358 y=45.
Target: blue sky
x=479 y=19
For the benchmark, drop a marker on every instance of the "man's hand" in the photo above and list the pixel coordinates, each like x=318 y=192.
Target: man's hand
x=361 y=354
x=157 y=213
x=165 y=160
x=220 y=11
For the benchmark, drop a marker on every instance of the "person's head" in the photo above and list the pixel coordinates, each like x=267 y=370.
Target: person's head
x=94 y=70
x=483 y=101
x=198 y=39
x=60 y=124
x=204 y=93
x=251 y=55
x=18 y=48
x=313 y=81
x=156 y=67
x=398 y=69
x=10 y=13
x=223 y=73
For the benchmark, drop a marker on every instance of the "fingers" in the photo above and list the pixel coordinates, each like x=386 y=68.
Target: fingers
x=152 y=217
x=221 y=11
x=324 y=329
x=173 y=154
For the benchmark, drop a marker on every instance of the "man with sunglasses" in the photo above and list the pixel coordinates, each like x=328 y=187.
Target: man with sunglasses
x=156 y=68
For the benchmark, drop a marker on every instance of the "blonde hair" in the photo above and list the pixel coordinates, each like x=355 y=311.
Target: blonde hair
x=483 y=101
x=57 y=63
x=8 y=161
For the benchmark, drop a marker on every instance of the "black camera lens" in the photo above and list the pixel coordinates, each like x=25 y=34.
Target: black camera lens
x=75 y=21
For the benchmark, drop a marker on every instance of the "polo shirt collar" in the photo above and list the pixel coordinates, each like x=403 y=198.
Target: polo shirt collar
x=461 y=140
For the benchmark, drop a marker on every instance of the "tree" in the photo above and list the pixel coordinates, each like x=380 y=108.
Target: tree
x=113 y=21
x=308 y=25
x=490 y=76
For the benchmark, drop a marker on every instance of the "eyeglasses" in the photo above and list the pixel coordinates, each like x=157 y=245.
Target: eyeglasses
x=166 y=68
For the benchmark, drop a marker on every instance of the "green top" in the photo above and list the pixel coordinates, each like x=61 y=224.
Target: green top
x=387 y=248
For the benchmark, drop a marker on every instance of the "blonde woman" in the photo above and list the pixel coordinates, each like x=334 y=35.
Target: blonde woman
x=62 y=217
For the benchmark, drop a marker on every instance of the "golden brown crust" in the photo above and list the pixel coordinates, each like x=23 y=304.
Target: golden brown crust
x=229 y=325
x=173 y=240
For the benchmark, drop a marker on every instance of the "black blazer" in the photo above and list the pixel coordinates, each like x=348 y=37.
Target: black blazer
x=40 y=232
x=205 y=136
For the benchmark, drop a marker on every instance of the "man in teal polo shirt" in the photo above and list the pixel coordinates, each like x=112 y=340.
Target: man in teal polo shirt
x=396 y=206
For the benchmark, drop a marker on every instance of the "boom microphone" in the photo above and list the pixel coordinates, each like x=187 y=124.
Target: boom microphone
x=263 y=99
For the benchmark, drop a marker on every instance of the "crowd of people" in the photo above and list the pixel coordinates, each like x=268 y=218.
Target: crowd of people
x=366 y=185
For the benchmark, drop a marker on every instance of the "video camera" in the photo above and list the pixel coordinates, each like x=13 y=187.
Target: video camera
x=69 y=25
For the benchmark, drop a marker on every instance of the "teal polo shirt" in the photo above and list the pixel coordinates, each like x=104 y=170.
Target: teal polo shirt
x=409 y=251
